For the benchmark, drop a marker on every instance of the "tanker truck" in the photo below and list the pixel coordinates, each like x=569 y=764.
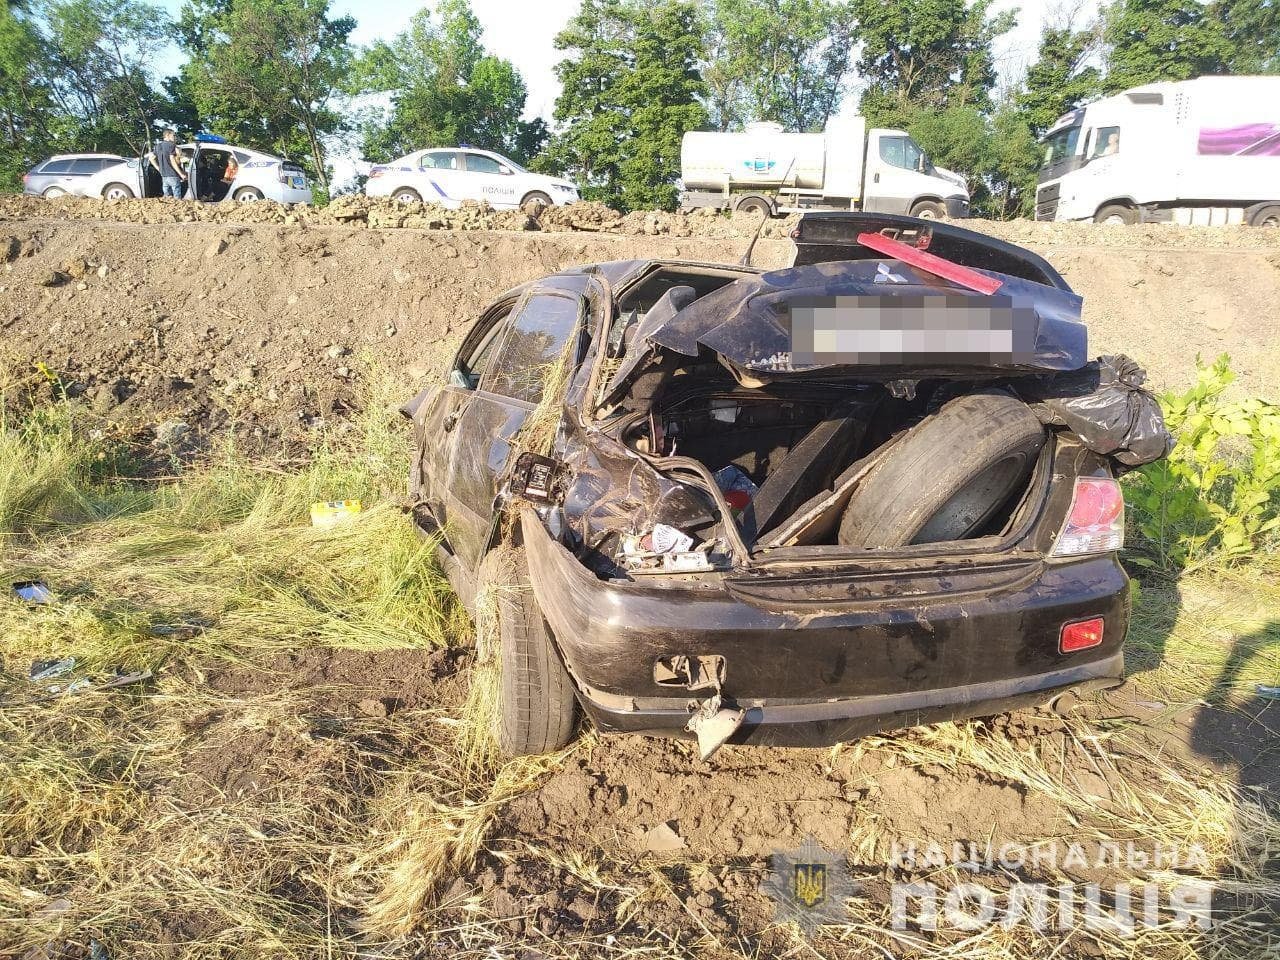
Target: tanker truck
x=764 y=169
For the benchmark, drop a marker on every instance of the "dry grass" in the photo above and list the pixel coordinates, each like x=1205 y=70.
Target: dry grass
x=225 y=809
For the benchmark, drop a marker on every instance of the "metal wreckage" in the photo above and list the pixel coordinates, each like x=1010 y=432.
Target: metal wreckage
x=872 y=490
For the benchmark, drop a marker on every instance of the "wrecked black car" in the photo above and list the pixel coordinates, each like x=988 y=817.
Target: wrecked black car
x=872 y=490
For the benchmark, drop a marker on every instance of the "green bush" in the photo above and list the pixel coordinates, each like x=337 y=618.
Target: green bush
x=1216 y=500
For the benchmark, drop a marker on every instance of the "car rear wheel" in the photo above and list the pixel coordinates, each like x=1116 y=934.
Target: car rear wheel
x=117 y=191
x=539 y=199
x=537 y=707
x=929 y=210
x=947 y=476
x=248 y=195
x=53 y=193
x=407 y=195
x=1115 y=213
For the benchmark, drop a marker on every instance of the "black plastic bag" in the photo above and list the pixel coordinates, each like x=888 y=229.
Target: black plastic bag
x=1105 y=404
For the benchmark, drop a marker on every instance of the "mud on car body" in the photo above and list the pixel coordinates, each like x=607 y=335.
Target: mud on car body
x=869 y=491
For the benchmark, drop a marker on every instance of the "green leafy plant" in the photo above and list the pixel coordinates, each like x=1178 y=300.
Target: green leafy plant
x=1216 y=500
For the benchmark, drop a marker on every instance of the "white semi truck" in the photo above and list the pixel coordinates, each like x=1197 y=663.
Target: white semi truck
x=1204 y=151
x=847 y=167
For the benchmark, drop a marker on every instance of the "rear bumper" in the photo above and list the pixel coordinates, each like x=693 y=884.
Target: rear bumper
x=824 y=658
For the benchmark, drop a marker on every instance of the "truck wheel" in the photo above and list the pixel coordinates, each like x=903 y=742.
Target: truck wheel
x=929 y=210
x=947 y=476
x=1268 y=216
x=755 y=205
x=537 y=707
x=116 y=191
x=1116 y=213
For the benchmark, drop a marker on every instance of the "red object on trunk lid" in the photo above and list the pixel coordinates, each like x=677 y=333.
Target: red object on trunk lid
x=932 y=263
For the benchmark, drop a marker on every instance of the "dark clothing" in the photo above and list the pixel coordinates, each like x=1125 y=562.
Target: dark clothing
x=164 y=155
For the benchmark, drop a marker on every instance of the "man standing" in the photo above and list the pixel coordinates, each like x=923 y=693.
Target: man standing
x=165 y=160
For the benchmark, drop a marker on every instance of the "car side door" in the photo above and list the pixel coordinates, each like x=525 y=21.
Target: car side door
x=441 y=171
x=543 y=324
x=492 y=180
x=434 y=412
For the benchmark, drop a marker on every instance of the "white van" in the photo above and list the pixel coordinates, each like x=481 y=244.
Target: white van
x=1203 y=151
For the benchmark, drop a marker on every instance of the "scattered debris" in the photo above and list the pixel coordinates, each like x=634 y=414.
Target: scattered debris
x=1270 y=693
x=33 y=591
x=42 y=670
x=663 y=839
x=713 y=723
x=332 y=512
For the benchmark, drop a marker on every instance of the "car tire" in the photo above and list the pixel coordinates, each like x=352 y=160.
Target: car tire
x=946 y=476
x=537 y=197
x=929 y=210
x=248 y=195
x=1116 y=213
x=406 y=195
x=537 y=709
x=53 y=193
x=755 y=205
x=117 y=191
x=1268 y=216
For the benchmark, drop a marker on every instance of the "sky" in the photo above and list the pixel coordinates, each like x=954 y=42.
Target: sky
x=522 y=31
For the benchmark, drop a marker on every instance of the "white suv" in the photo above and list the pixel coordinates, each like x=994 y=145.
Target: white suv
x=450 y=176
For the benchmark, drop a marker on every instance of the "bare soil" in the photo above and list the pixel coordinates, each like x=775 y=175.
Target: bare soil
x=262 y=320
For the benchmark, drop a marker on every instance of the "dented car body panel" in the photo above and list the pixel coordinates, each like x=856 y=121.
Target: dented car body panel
x=814 y=642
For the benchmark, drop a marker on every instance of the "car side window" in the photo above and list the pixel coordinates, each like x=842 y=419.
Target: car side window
x=439 y=160
x=84 y=166
x=57 y=166
x=535 y=344
x=479 y=163
x=474 y=361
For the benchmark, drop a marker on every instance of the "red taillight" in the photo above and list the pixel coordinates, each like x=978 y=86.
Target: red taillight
x=1080 y=636
x=1095 y=523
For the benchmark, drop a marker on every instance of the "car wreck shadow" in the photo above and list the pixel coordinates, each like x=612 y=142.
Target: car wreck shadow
x=1242 y=734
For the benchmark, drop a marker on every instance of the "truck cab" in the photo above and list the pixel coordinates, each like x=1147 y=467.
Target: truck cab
x=1203 y=151
x=902 y=179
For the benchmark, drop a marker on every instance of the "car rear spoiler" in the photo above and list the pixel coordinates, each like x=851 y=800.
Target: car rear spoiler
x=827 y=237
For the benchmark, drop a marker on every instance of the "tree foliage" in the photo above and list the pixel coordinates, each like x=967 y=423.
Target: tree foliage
x=1152 y=40
x=780 y=60
x=631 y=89
x=446 y=89
x=267 y=72
x=1062 y=77
x=926 y=54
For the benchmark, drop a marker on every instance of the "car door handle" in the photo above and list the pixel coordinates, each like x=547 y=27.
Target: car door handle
x=876 y=178
x=450 y=422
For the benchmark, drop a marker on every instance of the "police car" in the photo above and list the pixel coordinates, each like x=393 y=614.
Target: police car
x=449 y=176
x=217 y=171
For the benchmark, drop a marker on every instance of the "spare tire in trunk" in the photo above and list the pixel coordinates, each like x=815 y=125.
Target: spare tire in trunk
x=947 y=476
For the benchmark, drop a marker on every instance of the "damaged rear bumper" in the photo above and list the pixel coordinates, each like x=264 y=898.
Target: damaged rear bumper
x=830 y=659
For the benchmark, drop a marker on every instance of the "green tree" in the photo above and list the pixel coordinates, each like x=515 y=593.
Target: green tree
x=630 y=90
x=780 y=60
x=1061 y=78
x=926 y=54
x=1252 y=29
x=446 y=89
x=102 y=52
x=26 y=102
x=268 y=72
x=1151 y=40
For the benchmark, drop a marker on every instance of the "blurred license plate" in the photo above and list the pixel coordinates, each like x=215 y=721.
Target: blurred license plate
x=300 y=182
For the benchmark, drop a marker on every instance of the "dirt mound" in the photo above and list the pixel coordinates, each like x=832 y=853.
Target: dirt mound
x=269 y=328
